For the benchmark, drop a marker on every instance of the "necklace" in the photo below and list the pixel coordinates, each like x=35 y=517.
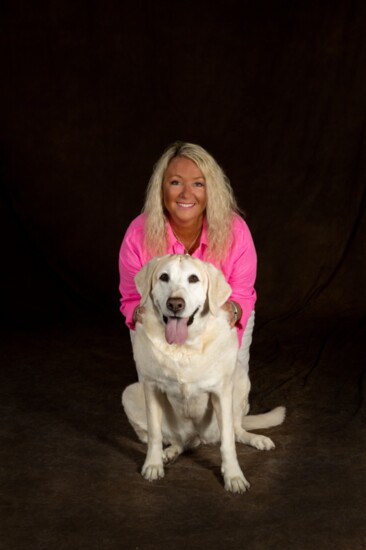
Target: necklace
x=187 y=249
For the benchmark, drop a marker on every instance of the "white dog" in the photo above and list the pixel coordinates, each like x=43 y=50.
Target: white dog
x=190 y=390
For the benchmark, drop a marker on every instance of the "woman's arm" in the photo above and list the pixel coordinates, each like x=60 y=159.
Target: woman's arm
x=240 y=270
x=131 y=260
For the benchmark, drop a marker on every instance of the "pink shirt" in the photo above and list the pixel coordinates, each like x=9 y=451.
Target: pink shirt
x=239 y=267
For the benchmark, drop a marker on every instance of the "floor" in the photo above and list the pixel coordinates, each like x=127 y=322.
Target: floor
x=70 y=461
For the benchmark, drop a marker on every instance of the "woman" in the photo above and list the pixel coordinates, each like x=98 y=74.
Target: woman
x=190 y=208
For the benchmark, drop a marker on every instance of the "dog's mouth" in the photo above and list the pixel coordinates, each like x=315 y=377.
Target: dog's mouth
x=176 y=330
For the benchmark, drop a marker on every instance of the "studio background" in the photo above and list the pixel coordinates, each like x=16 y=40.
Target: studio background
x=91 y=95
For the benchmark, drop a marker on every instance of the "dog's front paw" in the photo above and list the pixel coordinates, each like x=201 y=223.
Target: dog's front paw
x=234 y=479
x=237 y=484
x=262 y=442
x=151 y=472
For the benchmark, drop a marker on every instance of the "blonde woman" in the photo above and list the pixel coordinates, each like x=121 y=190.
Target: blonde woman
x=190 y=208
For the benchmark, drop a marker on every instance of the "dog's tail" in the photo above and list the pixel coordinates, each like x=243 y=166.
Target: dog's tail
x=267 y=420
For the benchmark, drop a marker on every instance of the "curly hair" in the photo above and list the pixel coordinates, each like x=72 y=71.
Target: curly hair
x=221 y=202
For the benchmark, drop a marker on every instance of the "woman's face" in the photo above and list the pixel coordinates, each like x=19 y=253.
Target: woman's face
x=184 y=191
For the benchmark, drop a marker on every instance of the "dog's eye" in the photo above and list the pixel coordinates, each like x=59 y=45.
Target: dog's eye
x=193 y=279
x=164 y=277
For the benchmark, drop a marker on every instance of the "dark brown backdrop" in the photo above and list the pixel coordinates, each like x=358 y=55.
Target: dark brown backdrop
x=91 y=96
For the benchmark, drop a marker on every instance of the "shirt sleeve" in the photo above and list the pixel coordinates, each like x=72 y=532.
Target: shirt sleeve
x=243 y=271
x=130 y=262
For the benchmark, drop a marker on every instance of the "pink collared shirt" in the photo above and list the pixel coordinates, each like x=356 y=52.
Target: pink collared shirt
x=239 y=267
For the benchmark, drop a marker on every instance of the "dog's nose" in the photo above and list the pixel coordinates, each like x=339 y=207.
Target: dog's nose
x=175 y=304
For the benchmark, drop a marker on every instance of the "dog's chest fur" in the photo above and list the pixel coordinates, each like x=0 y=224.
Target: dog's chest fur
x=186 y=371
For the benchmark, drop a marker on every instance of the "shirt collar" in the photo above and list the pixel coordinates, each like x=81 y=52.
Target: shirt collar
x=173 y=239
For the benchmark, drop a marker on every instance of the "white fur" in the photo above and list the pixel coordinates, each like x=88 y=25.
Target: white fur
x=190 y=393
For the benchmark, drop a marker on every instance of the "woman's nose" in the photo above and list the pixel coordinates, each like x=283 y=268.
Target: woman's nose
x=185 y=191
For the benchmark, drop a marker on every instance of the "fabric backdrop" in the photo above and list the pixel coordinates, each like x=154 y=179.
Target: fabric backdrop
x=276 y=91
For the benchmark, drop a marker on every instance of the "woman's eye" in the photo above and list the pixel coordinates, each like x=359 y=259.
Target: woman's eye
x=199 y=184
x=164 y=277
x=174 y=182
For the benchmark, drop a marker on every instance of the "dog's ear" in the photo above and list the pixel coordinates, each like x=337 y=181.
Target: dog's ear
x=143 y=278
x=219 y=289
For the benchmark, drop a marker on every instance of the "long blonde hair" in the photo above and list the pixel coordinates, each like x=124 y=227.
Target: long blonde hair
x=221 y=202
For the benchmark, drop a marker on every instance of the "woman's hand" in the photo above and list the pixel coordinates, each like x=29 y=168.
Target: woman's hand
x=234 y=312
x=137 y=314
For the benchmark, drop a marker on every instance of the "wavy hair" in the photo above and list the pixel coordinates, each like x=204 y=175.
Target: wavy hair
x=221 y=202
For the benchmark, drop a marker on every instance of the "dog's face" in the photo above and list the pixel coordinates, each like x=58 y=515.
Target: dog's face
x=182 y=289
x=179 y=293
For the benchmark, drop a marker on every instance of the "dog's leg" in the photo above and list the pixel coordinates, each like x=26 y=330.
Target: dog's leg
x=241 y=408
x=133 y=401
x=261 y=442
x=223 y=405
x=153 y=467
x=257 y=422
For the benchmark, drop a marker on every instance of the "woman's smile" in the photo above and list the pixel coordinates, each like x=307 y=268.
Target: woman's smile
x=186 y=205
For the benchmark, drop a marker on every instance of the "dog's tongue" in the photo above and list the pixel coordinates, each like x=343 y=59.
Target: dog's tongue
x=176 y=330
